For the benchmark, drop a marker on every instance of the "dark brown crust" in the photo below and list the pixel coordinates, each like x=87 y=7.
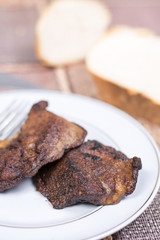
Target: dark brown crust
x=43 y=138
x=91 y=173
x=132 y=102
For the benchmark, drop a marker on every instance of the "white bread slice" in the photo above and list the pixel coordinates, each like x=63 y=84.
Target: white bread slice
x=67 y=28
x=125 y=64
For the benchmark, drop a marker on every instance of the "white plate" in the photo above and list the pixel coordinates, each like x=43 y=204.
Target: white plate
x=26 y=214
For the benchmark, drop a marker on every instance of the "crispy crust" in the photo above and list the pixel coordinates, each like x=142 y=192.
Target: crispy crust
x=92 y=173
x=43 y=138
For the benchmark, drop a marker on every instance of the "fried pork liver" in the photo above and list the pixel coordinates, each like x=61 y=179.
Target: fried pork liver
x=42 y=139
x=92 y=173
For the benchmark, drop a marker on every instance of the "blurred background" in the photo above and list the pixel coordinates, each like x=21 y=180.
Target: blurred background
x=17 y=42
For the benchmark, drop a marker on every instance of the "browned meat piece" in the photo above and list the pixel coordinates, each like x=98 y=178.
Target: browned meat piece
x=92 y=173
x=43 y=138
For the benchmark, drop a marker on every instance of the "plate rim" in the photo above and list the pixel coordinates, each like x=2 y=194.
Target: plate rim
x=133 y=121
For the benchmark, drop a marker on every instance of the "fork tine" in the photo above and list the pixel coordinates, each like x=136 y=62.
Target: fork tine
x=7 y=111
x=14 y=128
x=12 y=115
x=14 y=120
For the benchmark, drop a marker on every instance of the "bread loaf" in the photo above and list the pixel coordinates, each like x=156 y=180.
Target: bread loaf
x=125 y=64
x=67 y=28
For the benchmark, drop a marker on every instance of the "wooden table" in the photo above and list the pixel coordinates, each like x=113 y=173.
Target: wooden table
x=17 y=55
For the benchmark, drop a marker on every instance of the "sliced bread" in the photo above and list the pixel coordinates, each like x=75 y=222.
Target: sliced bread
x=125 y=64
x=67 y=28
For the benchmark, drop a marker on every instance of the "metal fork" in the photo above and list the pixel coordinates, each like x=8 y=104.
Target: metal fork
x=12 y=117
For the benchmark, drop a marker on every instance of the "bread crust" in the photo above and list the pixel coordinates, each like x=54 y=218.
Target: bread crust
x=134 y=103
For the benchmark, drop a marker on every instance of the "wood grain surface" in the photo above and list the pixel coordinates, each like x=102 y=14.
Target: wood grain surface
x=17 y=46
